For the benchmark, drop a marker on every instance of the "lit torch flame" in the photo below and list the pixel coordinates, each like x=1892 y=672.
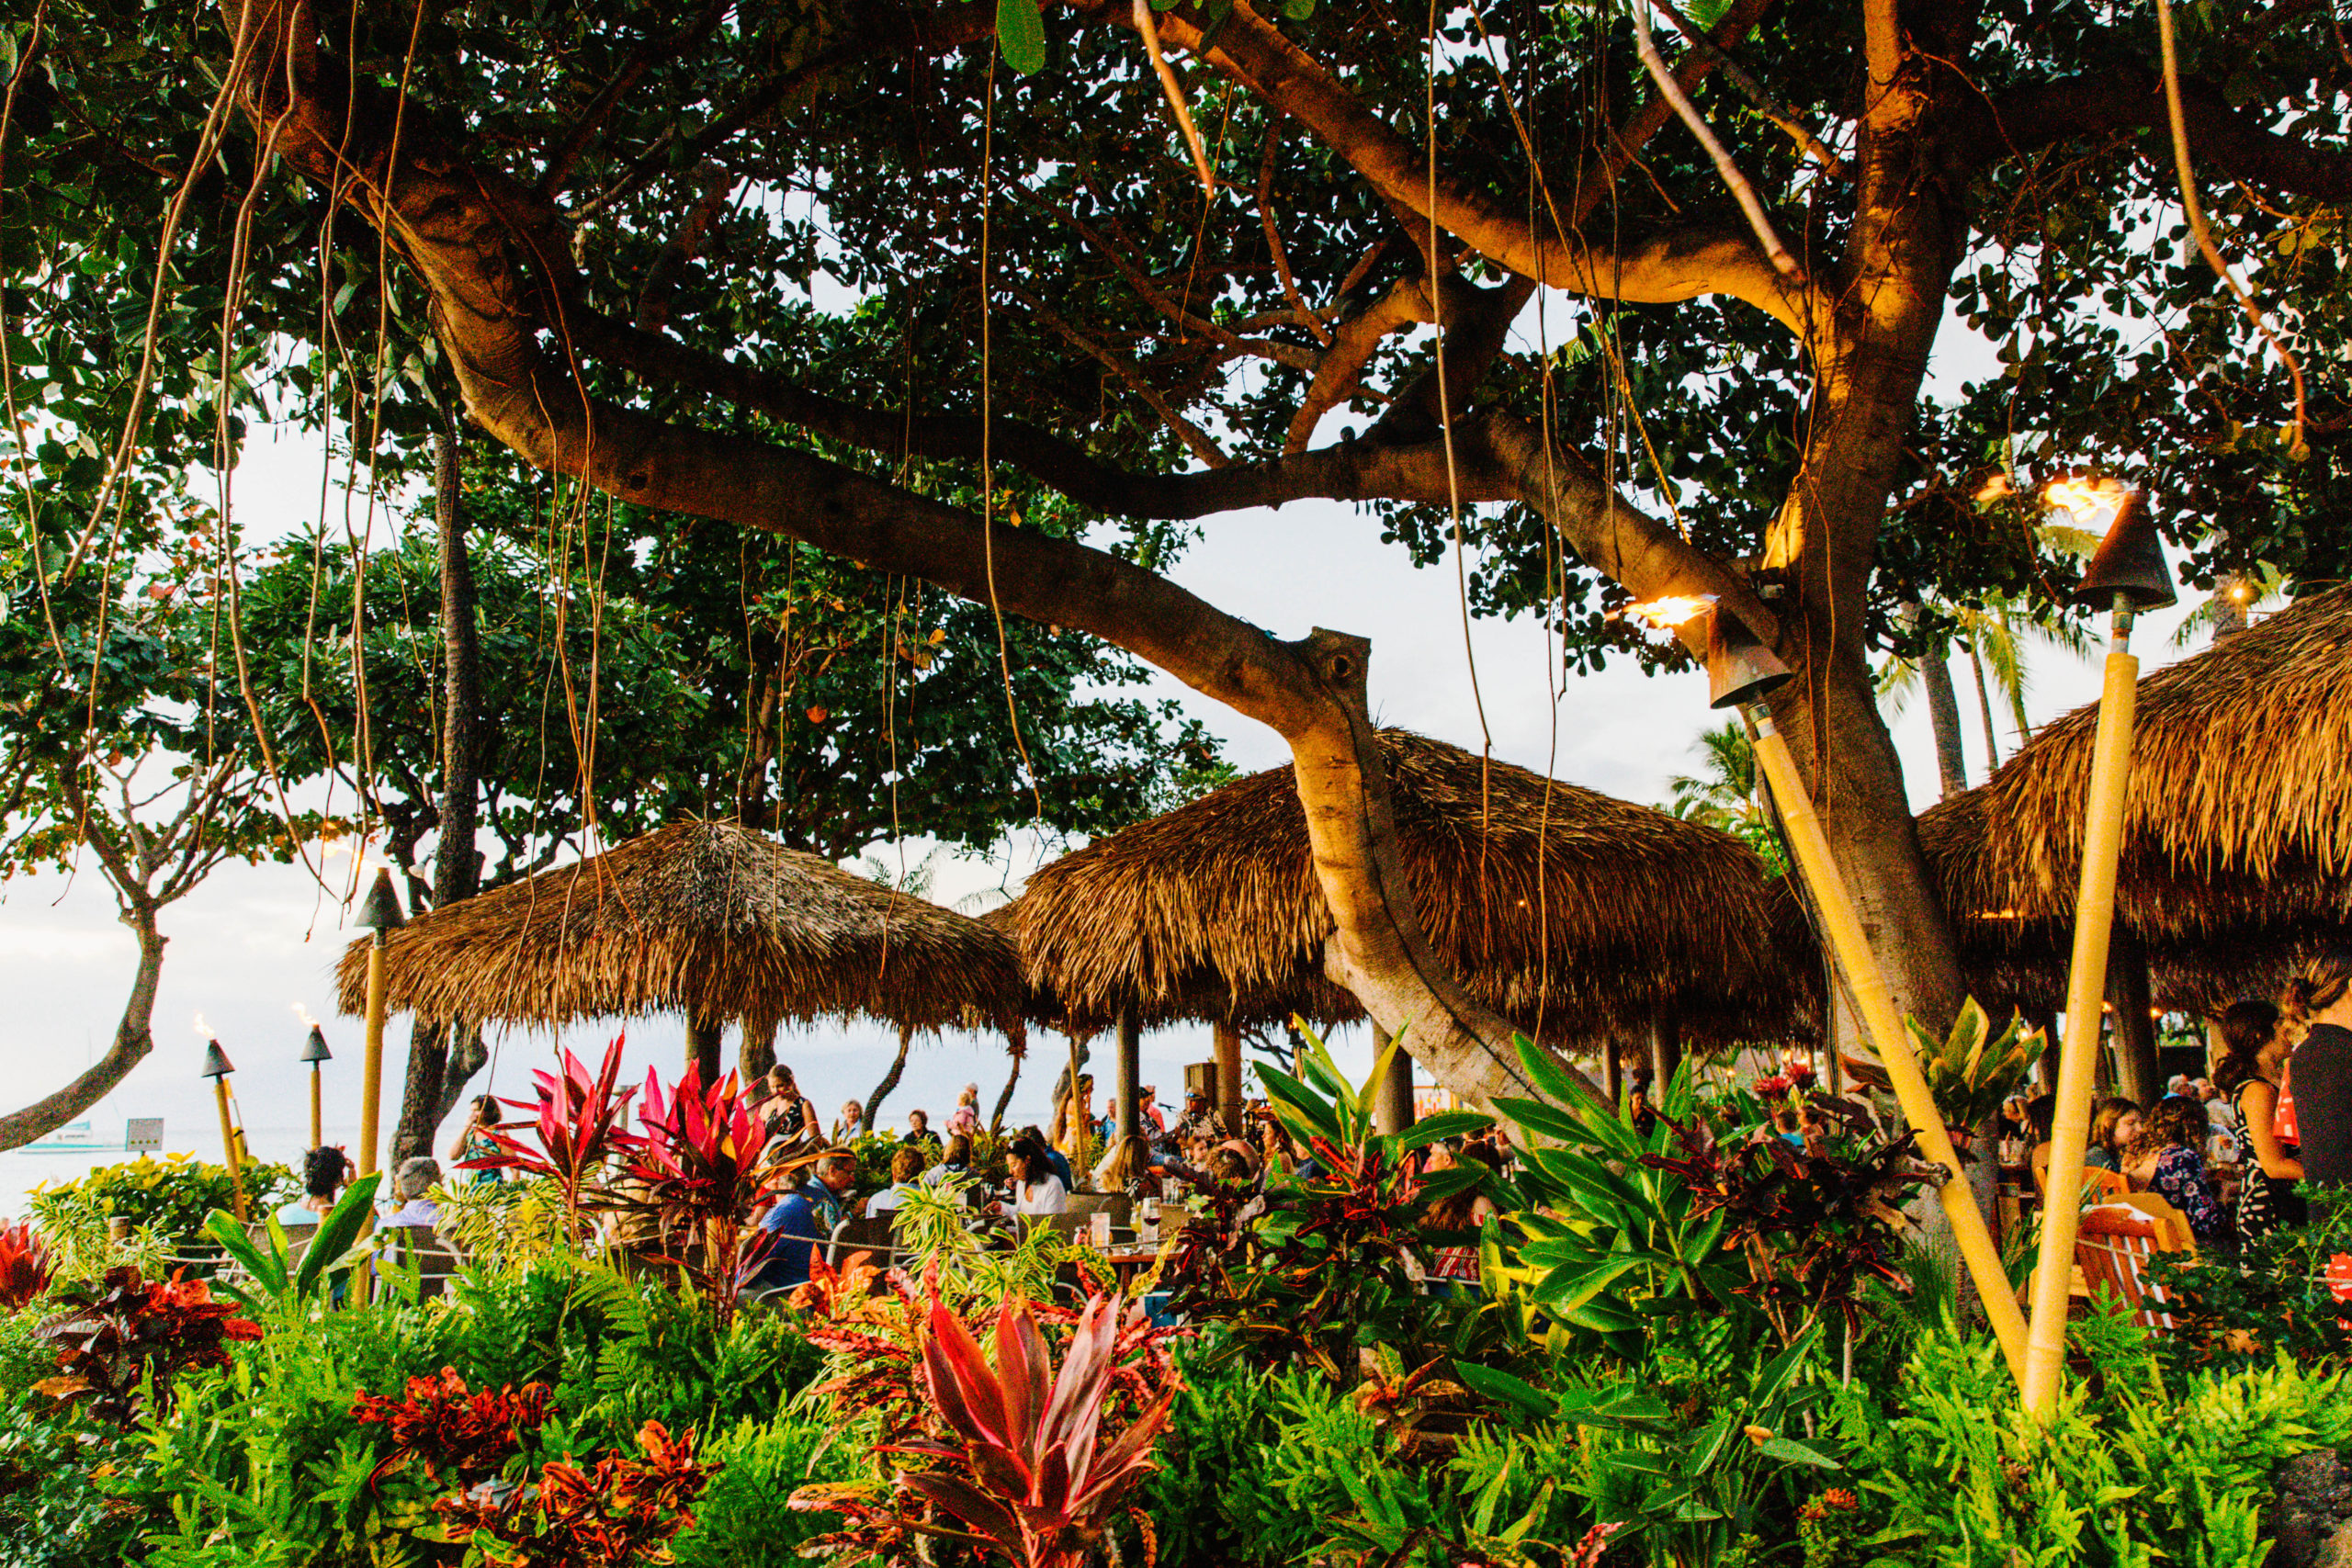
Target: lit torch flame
x=1674 y=610
x=2094 y=503
x=303 y=1013
x=203 y=1029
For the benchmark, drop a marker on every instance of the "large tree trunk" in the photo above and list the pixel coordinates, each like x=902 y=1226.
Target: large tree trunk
x=436 y=1078
x=133 y=1038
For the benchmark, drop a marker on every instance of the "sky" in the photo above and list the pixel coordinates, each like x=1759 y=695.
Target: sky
x=253 y=942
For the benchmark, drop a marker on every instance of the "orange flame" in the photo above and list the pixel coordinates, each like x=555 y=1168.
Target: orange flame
x=1674 y=610
x=303 y=1013
x=2094 y=503
x=203 y=1029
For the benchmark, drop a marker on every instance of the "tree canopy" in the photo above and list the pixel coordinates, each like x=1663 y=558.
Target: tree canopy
x=851 y=275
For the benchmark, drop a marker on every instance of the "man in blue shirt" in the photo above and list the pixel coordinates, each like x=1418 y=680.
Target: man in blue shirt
x=805 y=1220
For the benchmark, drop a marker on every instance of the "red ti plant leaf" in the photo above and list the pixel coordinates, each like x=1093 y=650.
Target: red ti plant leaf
x=26 y=1266
x=577 y=1121
x=444 y=1426
x=127 y=1335
x=698 y=1160
x=1021 y=1468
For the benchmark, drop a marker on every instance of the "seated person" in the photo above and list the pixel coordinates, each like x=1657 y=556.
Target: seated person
x=804 y=1221
x=325 y=1173
x=907 y=1163
x=2178 y=1176
x=1126 y=1169
x=416 y=1178
x=1036 y=1188
x=1056 y=1161
x=919 y=1134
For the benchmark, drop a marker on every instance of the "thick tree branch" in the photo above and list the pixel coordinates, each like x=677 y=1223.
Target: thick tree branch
x=2128 y=99
x=1667 y=265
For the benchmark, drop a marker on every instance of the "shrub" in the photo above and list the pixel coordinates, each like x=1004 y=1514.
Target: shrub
x=121 y=1345
x=746 y=1519
x=26 y=1266
x=171 y=1195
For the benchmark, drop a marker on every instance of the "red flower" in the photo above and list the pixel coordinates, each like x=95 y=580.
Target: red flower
x=2339 y=1276
x=25 y=1265
x=1772 y=1088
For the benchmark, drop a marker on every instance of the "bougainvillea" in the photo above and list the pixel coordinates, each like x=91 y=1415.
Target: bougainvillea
x=443 y=1425
x=128 y=1336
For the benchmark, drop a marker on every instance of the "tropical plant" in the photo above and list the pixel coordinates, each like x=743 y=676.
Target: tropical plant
x=1329 y=1265
x=1024 y=1463
x=26 y=1266
x=1726 y=792
x=443 y=1425
x=122 y=1344
x=1972 y=1070
x=697 y=1157
x=273 y=1275
x=505 y=1227
x=622 y=1513
x=577 y=1117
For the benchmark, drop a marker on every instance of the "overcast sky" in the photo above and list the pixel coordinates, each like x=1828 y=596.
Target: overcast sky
x=255 y=942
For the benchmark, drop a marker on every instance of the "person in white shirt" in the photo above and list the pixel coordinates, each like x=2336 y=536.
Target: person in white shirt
x=906 y=1173
x=415 y=1179
x=1036 y=1188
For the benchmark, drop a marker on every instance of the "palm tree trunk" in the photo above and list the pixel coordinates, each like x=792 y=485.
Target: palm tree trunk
x=890 y=1081
x=1943 y=713
x=1984 y=706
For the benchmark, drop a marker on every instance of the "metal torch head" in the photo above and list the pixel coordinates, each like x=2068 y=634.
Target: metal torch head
x=381 y=912
x=1740 y=668
x=2130 y=562
x=216 y=1061
x=315 y=1050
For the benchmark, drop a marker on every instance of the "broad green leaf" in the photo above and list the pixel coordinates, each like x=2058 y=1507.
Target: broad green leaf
x=1505 y=1389
x=1788 y=1451
x=1441 y=1125
x=1020 y=34
x=336 y=1234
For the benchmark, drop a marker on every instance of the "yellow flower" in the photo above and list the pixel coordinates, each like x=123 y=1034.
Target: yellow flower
x=1759 y=1436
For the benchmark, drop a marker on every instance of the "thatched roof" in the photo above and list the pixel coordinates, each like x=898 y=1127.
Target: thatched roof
x=2234 y=845
x=1546 y=899
x=706 y=919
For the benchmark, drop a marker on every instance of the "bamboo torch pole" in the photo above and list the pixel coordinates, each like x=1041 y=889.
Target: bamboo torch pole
x=1875 y=1002
x=381 y=915
x=1740 y=672
x=2129 y=573
x=218 y=1069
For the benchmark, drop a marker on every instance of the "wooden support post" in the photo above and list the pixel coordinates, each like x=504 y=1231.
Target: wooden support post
x=1392 y=1104
x=371 y=1086
x=1665 y=1050
x=2130 y=993
x=755 y=1052
x=1229 y=1076
x=1130 y=1073
x=317 y=1136
x=1612 y=1072
x=703 y=1036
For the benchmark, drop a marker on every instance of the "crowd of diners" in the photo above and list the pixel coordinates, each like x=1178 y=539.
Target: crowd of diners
x=2233 y=1151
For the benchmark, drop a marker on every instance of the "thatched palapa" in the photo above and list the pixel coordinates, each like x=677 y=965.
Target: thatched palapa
x=707 y=918
x=1551 y=902
x=2234 y=846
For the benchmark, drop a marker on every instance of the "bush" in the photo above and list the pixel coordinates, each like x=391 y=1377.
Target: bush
x=1211 y=1489
x=744 y=1520
x=172 y=1195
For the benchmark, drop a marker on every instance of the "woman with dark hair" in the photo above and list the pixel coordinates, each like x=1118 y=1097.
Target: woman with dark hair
x=2253 y=1054
x=2179 y=1127
x=474 y=1141
x=1036 y=1188
x=1458 y=1266
x=2315 y=1090
x=325 y=1173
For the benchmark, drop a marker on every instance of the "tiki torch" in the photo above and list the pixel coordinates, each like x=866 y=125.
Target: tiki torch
x=216 y=1067
x=1740 y=672
x=314 y=1051
x=2128 y=575
x=381 y=916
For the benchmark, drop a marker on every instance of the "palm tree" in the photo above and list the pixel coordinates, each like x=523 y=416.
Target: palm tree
x=2230 y=609
x=1996 y=634
x=1725 y=791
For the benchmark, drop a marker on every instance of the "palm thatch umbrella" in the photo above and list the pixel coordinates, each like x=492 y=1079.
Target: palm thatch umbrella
x=707 y=918
x=2235 y=852
x=1569 y=913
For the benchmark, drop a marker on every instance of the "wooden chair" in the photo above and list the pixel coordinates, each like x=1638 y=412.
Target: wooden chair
x=2112 y=1247
x=436 y=1262
x=871 y=1234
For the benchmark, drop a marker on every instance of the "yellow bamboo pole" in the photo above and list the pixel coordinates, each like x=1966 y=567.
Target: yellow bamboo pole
x=2085 y=986
x=317 y=1136
x=1876 y=1004
x=371 y=1083
x=229 y=1147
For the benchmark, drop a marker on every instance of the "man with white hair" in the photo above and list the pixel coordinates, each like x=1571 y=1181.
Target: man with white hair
x=410 y=1183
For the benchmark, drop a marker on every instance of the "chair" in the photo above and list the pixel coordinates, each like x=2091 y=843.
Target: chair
x=436 y=1262
x=872 y=1234
x=2112 y=1246
x=1085 y=1205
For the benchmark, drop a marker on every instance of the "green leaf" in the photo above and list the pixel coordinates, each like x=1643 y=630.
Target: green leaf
x=336 y=1234
x=1289 y=1094
x=1788 y=1451
x=225 y=1228
x=1505 y=1389
x=1020 y=34
x=1441 y=1125
x=1552 y=1080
